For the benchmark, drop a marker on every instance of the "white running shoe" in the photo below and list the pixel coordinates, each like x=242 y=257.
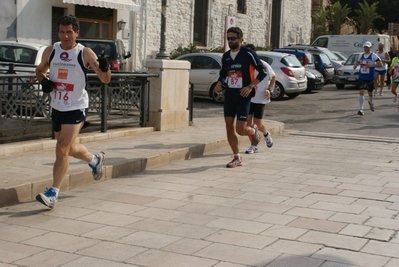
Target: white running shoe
x=252 y=149
x=48 y=198
x=269 y=140
x=97 y=171
x=395 y=98
x=371 y=106
x=237 y=161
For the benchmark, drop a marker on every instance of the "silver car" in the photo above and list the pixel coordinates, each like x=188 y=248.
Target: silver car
x=346 y=74
x=204 y=73
x=291 y=75
x=24 y=55
x=205 y=67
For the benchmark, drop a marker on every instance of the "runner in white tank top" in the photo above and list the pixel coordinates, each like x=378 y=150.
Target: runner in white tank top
x=380 y=72
x=68 y=62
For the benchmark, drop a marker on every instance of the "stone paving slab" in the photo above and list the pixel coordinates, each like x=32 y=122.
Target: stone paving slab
x=195 y=212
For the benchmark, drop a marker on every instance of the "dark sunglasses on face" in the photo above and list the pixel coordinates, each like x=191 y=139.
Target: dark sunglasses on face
x=232 y=38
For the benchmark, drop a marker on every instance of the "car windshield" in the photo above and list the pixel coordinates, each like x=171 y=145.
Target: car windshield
x=330 y=54
x=326 y=61
x=17 y=54
x=291 y=61
x=352 y=59
x=98 y=47
x=340 y=56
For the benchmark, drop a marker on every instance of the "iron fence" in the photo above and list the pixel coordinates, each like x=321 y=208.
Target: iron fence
x=25 y=109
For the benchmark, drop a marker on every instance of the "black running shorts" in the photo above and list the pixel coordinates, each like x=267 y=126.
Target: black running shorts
x=257 y=110
x=67 y=117
x=367 y=85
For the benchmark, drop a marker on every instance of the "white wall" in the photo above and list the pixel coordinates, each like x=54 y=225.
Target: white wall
x=34 y=19
x=8 y=14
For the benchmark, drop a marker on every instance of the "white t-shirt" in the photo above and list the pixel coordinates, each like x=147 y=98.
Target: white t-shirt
x=384 y=64
x=259 y=97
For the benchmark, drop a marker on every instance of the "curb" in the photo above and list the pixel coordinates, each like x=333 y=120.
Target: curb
x=75 y=179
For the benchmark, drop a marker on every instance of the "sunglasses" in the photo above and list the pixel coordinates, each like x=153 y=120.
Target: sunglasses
x=232 y=38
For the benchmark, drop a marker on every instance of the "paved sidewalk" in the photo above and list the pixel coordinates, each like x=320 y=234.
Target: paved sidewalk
x=27 y=166
x=312 y=200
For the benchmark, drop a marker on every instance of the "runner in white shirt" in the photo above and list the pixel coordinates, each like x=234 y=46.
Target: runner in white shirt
x=68 y=62
x=381 y=71
x=258 y=102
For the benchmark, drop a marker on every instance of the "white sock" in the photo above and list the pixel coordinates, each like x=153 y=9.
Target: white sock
x=237 y=155
x=56 y=190
x=253 y=131
x=94 y=161
x=371 y=99
x=361 y=101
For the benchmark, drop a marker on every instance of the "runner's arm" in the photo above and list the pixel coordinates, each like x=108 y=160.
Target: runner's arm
x=90 y=59
x=43 y=67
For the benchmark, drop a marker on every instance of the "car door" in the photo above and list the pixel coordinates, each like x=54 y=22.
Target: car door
x=204 y=72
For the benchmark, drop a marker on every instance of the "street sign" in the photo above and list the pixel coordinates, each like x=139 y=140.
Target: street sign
x=393 y=28
x=229 y=22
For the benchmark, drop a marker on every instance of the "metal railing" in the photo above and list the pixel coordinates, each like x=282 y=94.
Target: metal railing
x=25 y=109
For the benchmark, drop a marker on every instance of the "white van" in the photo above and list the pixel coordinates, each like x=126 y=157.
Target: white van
x=348 y=44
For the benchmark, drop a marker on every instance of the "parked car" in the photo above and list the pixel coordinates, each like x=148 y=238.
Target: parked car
x=324 y=66
x=114 y=51
x=291 y=75
x=24 y=55
x=21 y=58
x=305 y=57
x=340 y=55
x=346 y=74
x=336 y=62
x=204 y=73
x=315 y=78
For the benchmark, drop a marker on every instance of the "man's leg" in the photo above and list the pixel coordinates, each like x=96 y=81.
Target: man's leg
x=382 y=78
x=65 y=147
x=393 y=91
x=361 y=102
x=376 y=78
x=231 y=134
x=370 y=89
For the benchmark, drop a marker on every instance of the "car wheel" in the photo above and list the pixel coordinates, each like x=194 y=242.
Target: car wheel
x=278 y=92
x=292 y=95
x=217 y=97
x=308 y=90
x=340 y=85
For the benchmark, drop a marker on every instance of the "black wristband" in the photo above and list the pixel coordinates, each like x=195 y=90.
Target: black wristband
x=47 y=85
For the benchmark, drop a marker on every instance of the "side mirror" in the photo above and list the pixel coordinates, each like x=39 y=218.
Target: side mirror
x=127 y=55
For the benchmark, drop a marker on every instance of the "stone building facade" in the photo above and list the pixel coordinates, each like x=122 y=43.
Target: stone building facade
x=265 y=23
x=293 y=24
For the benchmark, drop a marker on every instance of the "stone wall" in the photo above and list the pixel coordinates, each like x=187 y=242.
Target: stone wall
x=296 y=22
x=180 y=20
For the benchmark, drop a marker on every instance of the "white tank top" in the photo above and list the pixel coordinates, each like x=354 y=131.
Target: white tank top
x=68 y=73
x=384 y=64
